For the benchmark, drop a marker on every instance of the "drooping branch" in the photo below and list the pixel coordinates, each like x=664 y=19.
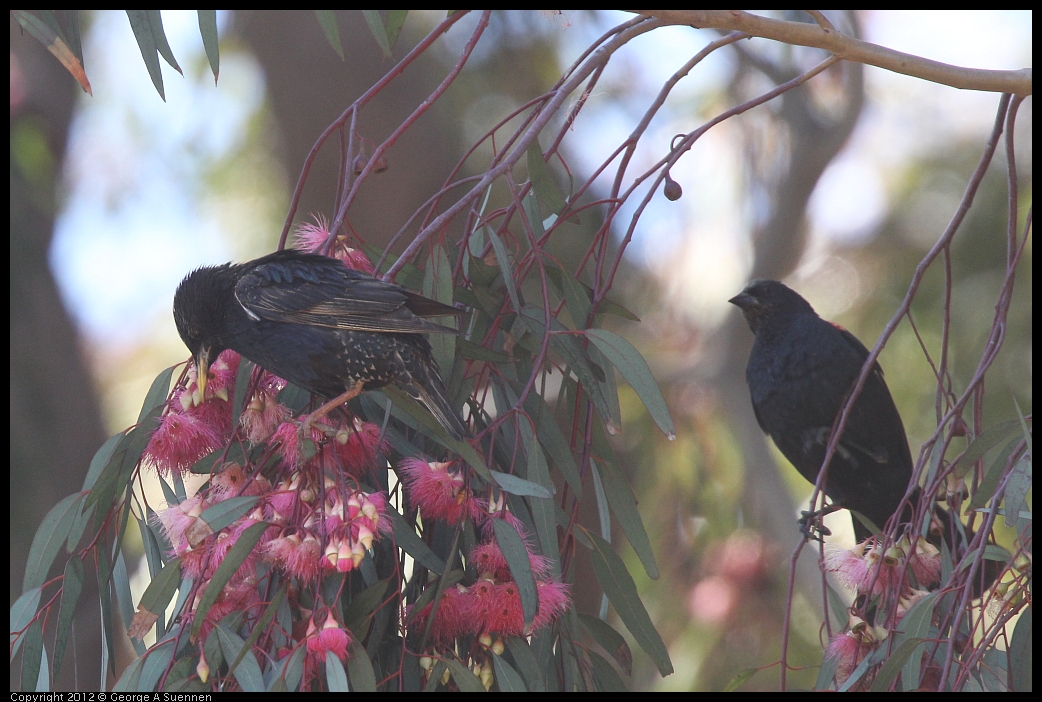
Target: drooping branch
x=1016 y=82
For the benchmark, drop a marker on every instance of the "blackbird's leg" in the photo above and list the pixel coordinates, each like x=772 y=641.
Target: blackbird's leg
x=350 y=394
x=811 y=525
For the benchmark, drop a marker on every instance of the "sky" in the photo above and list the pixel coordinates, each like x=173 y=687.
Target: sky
x=137 y=205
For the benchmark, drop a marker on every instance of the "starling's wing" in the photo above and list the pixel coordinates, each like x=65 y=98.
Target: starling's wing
x=317 y=290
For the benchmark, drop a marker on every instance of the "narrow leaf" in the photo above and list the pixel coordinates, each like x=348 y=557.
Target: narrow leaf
x=327 y=20
x=610 y=640
x=376 y=26
x=227 y=511
x=605 y=677
x=622 y=593
x=519 y=486
x=527 y=663
x=157 y=393
x=47 y=36
x=505 y=267
x=465 y=680
x=408 y=541
x=635 y=370
x=208 y=33
x=141 y=26
x=53 y=532
x=508 y=679
x=360 y=669
x=624 y=504
x=248 y=673
x=393 y=26
x=516 y=555
x=542 y=181
x=336 y=676
x=233 y=559
x=984 y=442
x=21 y=613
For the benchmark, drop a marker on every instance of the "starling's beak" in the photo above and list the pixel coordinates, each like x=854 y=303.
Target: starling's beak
x=202 y=371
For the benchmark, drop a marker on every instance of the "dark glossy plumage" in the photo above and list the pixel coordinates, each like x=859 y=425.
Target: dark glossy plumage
x=318 y=324
x=800 y=372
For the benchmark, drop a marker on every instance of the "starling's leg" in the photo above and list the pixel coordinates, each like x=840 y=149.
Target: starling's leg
x=351 y=393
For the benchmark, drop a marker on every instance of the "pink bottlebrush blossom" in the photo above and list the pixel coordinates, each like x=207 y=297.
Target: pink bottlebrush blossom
x=232 y=479
x=262 y=416
x=438 y=491
x=497 y=510
x=496 y=609
x=926 y=564
x=180 y=523
x=848 y=649
x=451 y=619
x=333 y=638
x=356 y=445
x=180 y=441
x=554 y=600
x=313 y=237
x=290 y=446
x=298 y=552
x=489 y=560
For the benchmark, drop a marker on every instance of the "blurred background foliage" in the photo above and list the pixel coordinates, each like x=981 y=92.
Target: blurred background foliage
x=719 y=502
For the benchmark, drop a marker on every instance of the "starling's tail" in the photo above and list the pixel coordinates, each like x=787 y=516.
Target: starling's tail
x=432 y=394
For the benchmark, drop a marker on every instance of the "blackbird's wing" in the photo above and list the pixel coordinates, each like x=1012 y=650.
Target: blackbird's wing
x=875 y=428
x=291 y=286
x=872 y=465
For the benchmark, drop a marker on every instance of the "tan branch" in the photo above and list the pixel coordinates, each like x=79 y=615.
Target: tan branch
x=1017 y=82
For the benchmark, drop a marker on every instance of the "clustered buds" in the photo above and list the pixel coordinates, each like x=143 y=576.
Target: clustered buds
x=878 y=572
x=314 y=518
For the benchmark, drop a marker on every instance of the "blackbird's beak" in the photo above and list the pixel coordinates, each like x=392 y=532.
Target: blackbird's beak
x=751 y=307
x=745 y=301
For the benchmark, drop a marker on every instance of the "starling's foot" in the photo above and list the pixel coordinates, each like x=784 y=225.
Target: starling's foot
x=328 y=407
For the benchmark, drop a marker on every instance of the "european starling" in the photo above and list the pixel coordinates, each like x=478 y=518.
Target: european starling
x=320 y=325
x=800 y=373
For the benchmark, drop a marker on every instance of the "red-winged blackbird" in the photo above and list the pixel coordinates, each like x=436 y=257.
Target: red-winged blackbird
x=320 y=325
x=800 y=373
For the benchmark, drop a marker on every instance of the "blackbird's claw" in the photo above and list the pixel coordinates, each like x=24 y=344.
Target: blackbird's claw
x=813 y=531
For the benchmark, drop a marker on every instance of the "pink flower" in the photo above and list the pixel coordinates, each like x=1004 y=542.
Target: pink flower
x=331 y=637
x=452 y=618
x=262 y=415
x=926 y=564
x=314 y=237
x=290 y=446
x=180 y=441
x=357 y=445
x=553 y=602
x=496 y=609
x=438 y=491
x=297 y=552
x=181 y=523
x=848 y=649
x=489 y=560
